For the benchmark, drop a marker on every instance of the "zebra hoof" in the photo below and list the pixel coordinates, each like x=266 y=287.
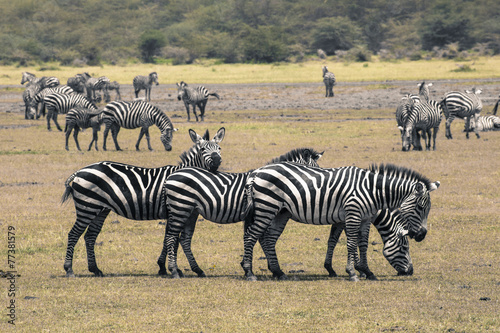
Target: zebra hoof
x=70 y=275
x=354 y=278
x=251 y=278
x=283 y=277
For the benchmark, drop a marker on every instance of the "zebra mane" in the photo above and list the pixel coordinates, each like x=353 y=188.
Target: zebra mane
x=392 y=170
x=298 y=154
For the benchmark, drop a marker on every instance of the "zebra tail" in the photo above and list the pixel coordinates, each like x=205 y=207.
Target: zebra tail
x=444 y=107
x=496 y=108
x=248 y=201
x=215 y=95
x=68 y=192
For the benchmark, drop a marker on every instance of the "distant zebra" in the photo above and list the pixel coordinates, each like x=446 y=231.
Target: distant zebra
x=392 y=230
x=142 y=82
x=486 y=123
x=130 y=191
x=28 y=95
x=329 y=81
x=112 y=86
x=402 y=111
x=132 y=115
x=77 y=83
x=424 y=115
x=462 y=105
x=218 y=197
x=61 y=103
x=79 y=118
x=39 y=98
x=43 y=82
x=319 y=196
x=94 y=84
x=197 y=96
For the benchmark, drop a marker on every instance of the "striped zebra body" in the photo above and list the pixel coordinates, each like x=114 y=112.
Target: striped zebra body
x=42 y=82
x=425 y=116
x=94 y=84
x=38 y=102
x=218 y=197
x=142 y=82
x=487 y=123
x=329 y=81
x=462 y=105
x=28 y=95
x=136 y=114
x=79 y=118
x=402 y=112
x=61 y=103
x=130 y=191
x=318 y=196
x=391 y=228
x=197 y=96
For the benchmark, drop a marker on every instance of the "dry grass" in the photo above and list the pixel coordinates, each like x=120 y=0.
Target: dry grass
x=483 y=67
x=455 y=267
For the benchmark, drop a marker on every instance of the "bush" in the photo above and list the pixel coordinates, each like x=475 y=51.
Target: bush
x=150 y=44
x=263 y=44
x=336 y=33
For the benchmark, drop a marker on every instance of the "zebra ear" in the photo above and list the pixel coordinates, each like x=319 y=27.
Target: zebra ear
x=434 y=186
x=195 y=137
x=220 y=135
x=319 y=155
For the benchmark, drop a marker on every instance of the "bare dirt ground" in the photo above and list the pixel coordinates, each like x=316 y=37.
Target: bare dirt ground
x=282 y=96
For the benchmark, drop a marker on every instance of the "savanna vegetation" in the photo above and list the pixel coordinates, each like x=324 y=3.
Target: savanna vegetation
x=89 y=32
x=454 y=287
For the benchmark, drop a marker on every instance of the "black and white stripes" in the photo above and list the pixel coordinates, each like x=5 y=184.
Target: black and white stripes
x=197 y=96
x=142 y=82
x=329 y=81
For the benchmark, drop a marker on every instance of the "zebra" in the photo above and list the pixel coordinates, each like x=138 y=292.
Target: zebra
x=130 y=191
x=79 y=118
x=112 y=86
x=391 y=227
x=197 y=96
x=93 y=84
x=347 y=195
x=28 y=95
x=462 y=105
x=133 y=115
x=39 y=98
x=425 y=115
x=44 y=81
x=402 y=111
x=142 y=82
x=218 y=197
x=329 y=81
x=77 y=83
x=61 y=103
x=486 y=123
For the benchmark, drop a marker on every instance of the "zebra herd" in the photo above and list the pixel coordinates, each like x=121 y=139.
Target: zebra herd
x=395 y=199
x=418 y=116
x=45 y=95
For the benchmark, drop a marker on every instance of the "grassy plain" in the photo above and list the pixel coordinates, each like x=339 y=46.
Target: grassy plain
x=455 y=287
x=482 y=67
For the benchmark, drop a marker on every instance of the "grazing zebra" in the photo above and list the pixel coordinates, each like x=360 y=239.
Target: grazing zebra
x=133 y=115
x=218 y=197
x=392 y=230
x=93 y=84
x=462 y=105
x=142 y=82
x=195 y=96
x=112 y=86
x=39 y=98
x=424 y=115
x=43 y=82
x=79 y=118
x=329 y=81
x=347 y=195
x=61 y=103
x=28 y=95
x=130 y=191
x=486 y=123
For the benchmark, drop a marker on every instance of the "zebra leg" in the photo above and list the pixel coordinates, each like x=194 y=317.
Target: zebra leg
x=68 y=133
x=114 y=134
x=105 y=135
x=141 y=134
x=146 y=132
x=268 y=242
x=434 y=134
x=73 y=236
x=352 y=226
x=361 y=265
x=476 y=130
x=335 y=233
x=90 y=237
x=170 y=246
x=448 y=125
x=253 y=232
x=54 y=117
x=137 y=93
x=75 y=136
x=94 y=138
x=185 y=240
x=202 y=106
x=49 y=116
x=428 y=139
x=194 y=112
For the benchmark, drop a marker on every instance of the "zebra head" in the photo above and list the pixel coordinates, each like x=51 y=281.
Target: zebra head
x=27 y=77
x=415 y=209
x=306 y=156
x=153 y=78
x=166 y=138
x=180 y=89
x=209 y=150
x=391 y=227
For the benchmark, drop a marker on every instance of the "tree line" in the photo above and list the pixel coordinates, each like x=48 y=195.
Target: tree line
x=90 y=32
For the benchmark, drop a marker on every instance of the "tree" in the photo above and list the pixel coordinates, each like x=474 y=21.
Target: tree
x=335 y=33
x=264 y=44
x=150 y=44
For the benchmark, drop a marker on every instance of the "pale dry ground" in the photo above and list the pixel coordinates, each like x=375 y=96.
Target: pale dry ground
x=456 y=266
